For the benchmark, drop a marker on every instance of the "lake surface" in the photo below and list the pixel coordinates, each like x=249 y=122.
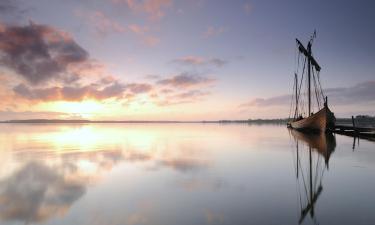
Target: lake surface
x=177 y=174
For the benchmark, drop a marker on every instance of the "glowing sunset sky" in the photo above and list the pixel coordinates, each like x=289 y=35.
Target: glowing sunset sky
x=179 y=60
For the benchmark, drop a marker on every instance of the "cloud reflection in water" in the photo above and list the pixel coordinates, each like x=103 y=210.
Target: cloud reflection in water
x=52 y=167
x=36 y=193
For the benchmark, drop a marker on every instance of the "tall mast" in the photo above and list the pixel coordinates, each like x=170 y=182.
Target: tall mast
x=309 y=75
x=311 y=62
x=296 y=87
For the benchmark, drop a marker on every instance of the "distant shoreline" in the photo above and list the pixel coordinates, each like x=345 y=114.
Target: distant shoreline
x=146 y=121
x=369 y=121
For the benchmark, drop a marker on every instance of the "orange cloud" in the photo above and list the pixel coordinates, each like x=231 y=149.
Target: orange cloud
x=154 y=8
x=105 y=89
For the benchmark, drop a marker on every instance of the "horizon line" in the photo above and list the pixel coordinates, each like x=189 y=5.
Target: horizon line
x=138 y=121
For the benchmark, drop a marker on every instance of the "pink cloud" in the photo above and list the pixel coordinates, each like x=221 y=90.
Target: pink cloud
x=193 y=60
x=196 y=61
x=150 y=40
x=186 y=80
x=213 y=31
x=138 y=29
x=154 y=8
x=102 y=24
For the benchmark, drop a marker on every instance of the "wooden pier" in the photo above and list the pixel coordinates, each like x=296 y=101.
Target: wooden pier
x=355 y=131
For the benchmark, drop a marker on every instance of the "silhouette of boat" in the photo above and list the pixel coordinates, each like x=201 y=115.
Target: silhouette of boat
x=303 y=117
x=310 y=169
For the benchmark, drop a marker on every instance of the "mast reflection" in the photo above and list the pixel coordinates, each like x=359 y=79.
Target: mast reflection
x=313 y=152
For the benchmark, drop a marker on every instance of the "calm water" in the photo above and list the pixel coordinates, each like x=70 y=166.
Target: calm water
x=177 y=174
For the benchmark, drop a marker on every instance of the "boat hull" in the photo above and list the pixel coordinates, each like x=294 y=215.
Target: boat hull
x=314 y=123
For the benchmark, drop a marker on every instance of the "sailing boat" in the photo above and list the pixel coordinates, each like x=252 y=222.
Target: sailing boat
x=309 y=121
x=310 y=168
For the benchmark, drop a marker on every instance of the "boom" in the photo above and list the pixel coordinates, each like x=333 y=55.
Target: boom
x=304 y=51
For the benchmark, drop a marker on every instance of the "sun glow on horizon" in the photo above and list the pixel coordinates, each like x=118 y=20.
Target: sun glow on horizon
x=85 y=109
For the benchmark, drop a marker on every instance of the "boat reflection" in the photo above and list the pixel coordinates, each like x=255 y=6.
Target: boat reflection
x=313 y=152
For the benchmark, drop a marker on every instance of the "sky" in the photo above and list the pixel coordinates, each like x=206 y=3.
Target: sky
x=179 y=60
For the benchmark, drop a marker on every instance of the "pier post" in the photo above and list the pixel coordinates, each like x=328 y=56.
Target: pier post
x=354 y=128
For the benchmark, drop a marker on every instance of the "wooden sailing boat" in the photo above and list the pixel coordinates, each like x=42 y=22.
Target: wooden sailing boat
x=310 y=168
x=309 y=121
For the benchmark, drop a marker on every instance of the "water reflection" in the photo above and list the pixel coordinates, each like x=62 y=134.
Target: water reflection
x=44 y=172
x=181 y=174
x=310 y=168
x=36 y=193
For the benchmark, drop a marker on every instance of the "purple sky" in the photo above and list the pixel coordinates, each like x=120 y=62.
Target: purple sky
x=188 y=60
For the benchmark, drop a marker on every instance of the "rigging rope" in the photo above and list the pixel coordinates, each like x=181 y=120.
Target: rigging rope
x=291 y=103
x=299 y=89
x=320 y=86
x=316 y=90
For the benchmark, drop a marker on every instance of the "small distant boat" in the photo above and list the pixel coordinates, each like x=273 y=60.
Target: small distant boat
x=304 y=119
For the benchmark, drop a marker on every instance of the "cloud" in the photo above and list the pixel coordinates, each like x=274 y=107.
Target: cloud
x=194 y=184
x=105 y=89
x=102 y=24
x=154 y=8
x=170 y=89
x=217 y=62
x=213 y=31
x=152 y=77
x=247 y=7
x=150 y=40
x=7 y=6
x=359 y=93
x=190 y=60
x=185 y=164
x=11 y=10
x=138 y=88
x=13 y=115
x=181 y=98
x=138 y=29
x=214 y=218
x=193 y=94
x=39 y=53
x=196 y=61
x=36 y=193
x=185 y=80
x=272 y=101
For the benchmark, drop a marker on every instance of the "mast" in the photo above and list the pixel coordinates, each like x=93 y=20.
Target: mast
x=311 y=63
x=296 y=87
x=309 y=75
